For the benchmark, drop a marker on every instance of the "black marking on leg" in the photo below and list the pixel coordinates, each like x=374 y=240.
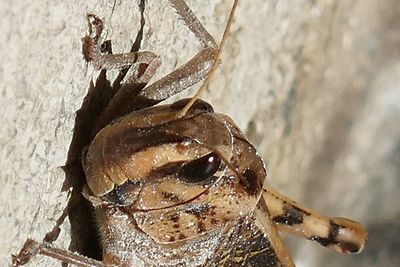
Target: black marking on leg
x=349 y=247
x=331 y=239
x=333 y=230
x=291 y=216
x=346 y=247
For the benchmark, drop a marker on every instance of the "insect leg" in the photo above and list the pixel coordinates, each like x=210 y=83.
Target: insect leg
x=93 y=53
x=191 y=21
x=193 y=71
x=129 y=98
x=32 y=248
x=262 y=216
x=102 y=58
x=339 y=234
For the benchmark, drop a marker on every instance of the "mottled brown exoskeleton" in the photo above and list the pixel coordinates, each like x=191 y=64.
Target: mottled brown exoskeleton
x=173 y=188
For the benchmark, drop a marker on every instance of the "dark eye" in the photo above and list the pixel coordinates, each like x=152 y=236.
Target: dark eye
x=201 y=169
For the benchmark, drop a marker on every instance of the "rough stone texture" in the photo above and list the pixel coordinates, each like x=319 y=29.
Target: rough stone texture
x=316 y=85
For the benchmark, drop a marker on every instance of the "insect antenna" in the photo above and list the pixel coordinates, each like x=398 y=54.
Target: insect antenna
x=215 y=63
x=112 y=9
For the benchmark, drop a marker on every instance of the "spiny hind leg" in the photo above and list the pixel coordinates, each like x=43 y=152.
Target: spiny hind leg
x=191 y=21
x=339 y=234
x=193 y=71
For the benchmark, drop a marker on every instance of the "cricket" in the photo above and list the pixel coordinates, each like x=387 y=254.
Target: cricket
x=176 y=184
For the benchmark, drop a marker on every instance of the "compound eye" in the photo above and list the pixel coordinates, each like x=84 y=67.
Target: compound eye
x=201 y=169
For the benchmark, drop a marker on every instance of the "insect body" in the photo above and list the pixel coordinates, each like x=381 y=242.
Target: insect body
x=182 y=190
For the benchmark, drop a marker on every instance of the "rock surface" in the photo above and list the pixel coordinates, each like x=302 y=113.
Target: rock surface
x=315 y=84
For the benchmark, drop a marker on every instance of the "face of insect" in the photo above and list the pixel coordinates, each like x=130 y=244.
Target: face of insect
x=193 y=174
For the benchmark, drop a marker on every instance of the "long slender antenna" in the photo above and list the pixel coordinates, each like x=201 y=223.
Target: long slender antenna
x=215 y=64
x=112 y=9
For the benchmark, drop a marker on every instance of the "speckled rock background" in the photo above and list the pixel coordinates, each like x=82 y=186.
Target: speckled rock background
x=315 y=84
